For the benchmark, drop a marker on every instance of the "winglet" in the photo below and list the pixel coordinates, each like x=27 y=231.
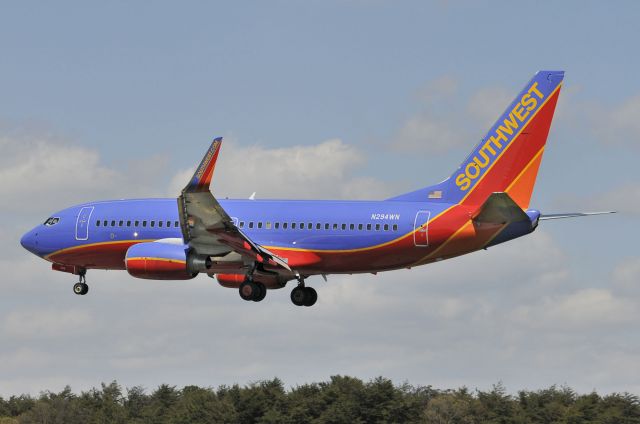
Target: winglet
x=202 y=177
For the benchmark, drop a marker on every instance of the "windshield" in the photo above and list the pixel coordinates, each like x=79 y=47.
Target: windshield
x=51 y=221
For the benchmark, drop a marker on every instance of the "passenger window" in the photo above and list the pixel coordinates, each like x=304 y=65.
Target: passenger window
x=120 y=223
x=153 y=224
x=97 y=223
x=137 y=223
x=293 y=225
x=309 y=226
x=386 y=227
x=326 y=226
x=267 y=225
x=284 y=225
x=160 y=224
x=276 y=225
x=144 y=223
x=241 y=224
x=335 y=226
x=128 y=223
x=176 y=224
x=368 y=227
x=302 y=225
x=113 y=223
x=352 y=226
x=168 y=224
x=377 y=227
x=360 y=226
x=318 y=226
x=260 y=224
x=250 y=224
x=395 y=227
x=344 y=227
x=104 y=223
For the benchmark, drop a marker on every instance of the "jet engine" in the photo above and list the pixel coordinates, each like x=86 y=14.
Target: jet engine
x=159 y=261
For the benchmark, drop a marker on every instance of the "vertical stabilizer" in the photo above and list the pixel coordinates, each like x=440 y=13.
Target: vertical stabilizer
x=507 y=158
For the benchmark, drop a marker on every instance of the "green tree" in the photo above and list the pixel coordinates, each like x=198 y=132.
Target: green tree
x=197 y=405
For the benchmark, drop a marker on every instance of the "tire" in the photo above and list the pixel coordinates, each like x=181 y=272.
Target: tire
x=261 y=292
x=78 y=288
x=311 y=296
x=298 y=296
x=248 y=290
x=85 y=289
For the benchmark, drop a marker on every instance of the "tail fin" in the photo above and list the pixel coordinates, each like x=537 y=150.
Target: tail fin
x=509 y=155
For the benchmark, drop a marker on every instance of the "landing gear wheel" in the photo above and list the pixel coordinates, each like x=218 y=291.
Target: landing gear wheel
x=248 y=290
x=80 y=288
x=261 y=293
x=311 y=296
x=298 y=296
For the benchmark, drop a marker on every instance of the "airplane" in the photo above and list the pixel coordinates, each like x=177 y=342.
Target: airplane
x=257 y=245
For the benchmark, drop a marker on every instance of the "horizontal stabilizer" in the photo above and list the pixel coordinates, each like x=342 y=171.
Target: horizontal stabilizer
x=572 y=215
x=499 y=208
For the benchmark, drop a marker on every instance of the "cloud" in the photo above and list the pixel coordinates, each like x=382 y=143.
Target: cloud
x=48 y=172
x=486 y=104
x=626 y=277
x=46 y=323
x=621 y=123
x=585 y=309
x=624 y=199
x=446 y=121
x=324 y=170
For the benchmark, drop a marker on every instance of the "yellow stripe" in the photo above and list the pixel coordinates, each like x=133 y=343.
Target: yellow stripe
x=178 y=261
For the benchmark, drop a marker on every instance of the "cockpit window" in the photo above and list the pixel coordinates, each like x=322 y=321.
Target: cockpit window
x=51 y=221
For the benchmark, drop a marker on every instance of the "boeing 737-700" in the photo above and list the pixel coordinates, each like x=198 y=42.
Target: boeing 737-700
x=256 y=245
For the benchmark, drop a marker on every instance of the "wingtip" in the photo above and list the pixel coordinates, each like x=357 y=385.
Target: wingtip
x=202 y=177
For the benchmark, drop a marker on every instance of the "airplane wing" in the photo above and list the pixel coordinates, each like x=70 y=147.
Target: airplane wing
x=207 y=227
x=572 y=215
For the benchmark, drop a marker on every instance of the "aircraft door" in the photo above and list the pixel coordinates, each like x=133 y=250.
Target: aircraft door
x=82 y=223
x=421 y=229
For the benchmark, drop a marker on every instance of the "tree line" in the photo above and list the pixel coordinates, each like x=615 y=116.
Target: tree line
x=340 y=400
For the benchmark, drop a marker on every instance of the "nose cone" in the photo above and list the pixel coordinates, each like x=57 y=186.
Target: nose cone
x=30 y=241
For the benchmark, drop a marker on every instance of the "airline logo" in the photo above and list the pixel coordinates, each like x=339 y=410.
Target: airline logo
x=502 y=136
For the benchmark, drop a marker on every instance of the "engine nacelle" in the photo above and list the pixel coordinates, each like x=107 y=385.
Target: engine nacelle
x=158 y=261
x=233 y=281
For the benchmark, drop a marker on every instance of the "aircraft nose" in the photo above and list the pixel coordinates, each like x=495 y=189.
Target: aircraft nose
x=30 y=241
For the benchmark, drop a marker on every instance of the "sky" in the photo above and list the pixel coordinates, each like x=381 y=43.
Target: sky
x=334 y=99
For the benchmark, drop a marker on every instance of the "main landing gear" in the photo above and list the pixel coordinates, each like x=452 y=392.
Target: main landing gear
x=252 y=291
x=81 y=287
x=302 y=295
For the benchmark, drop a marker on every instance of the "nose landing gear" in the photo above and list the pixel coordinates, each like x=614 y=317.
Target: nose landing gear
x=81 y=287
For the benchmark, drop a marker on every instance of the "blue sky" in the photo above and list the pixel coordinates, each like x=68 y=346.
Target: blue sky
x=121 y=99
